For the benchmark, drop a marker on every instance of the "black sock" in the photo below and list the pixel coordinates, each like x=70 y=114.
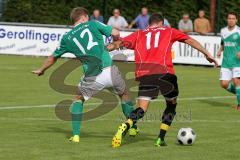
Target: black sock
x=128 y=125
x=162 y=134
x=167 y=118
x=135 y=115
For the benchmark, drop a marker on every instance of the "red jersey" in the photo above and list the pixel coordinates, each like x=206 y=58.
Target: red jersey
x=152 y=48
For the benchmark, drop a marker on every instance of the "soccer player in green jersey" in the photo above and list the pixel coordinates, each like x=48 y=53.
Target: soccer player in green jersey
x=230 y=45
x=85 y=41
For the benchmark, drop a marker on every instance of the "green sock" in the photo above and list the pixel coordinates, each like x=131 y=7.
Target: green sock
x=238 y=94
x=127 y=108
x=231 y=88
x=76 y=110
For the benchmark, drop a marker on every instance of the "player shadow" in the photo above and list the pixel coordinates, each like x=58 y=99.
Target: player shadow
x=181 y=145
x=216 y=104
x=140 y=137
x=90 y=134
x=84 y=134
x=68 y=133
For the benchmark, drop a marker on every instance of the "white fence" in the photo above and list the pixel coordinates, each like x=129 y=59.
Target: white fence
x=41 y=41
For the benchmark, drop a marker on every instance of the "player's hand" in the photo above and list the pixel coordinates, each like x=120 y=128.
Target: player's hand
x=211 y=59
x=238 y=55
x=219 y=53
x=38 y=72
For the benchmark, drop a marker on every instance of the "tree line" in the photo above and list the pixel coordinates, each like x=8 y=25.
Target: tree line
x=57 y=11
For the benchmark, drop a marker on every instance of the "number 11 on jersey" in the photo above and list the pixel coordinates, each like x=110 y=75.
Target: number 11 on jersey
x=156 y=40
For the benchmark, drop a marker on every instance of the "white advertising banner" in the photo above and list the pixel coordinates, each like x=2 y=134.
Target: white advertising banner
x=42 y=41
x=183 y=53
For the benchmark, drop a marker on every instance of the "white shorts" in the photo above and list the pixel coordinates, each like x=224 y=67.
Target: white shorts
x=110 y=78
x=228 y=73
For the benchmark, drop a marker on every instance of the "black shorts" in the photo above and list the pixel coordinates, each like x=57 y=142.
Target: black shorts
x=159 y=84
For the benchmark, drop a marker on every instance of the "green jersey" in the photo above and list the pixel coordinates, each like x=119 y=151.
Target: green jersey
x=85 y=41
x=231 y=43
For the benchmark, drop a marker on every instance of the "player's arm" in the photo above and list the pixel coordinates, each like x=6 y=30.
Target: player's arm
x=115 y=45
x=116 y=42
x=219 y=53
x=47 y=64
x=195 y=44
x=107 y=30
x=181 y=37
x=238 y=48
x=128 y=42
x=52 y=58
x=115 y=34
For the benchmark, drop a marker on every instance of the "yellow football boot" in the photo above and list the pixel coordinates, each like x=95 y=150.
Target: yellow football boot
x=75 y=139
x=117 y=139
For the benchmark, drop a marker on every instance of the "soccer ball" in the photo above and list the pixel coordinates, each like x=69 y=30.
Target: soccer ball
x=186 y=136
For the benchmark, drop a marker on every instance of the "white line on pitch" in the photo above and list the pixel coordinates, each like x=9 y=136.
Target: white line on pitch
x=97 y=103
x=118 y=120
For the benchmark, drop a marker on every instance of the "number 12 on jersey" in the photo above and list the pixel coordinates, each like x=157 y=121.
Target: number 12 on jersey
x=90 y=44
x=156 y=40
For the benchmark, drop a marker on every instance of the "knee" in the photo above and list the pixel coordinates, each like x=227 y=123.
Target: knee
x=224 y=84
x=172 y=101
x=124 y=96
x=236 y=82
x=78 y=98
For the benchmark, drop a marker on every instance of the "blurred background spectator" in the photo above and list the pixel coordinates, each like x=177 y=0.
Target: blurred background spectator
x=202 y=24
x=216 y=10
x=165 y=21
x=141 y=20
x=185 y=24
x=96 y=15
x=117 y=21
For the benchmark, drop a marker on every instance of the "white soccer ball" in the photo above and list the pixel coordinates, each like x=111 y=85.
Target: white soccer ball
x=186 y=136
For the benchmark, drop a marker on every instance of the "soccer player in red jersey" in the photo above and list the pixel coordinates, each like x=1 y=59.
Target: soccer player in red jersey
x=154 y=71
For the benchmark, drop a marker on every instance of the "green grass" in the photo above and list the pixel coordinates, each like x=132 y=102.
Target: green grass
x=36 y=133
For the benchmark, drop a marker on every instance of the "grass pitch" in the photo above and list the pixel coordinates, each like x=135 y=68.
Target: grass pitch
x=29 y=128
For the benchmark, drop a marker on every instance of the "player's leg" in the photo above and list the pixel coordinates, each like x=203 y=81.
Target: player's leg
x=226 y=80
x=126 y=103
x=236 y=81
x=147 y=90
x=228 y=85
x=167 y=118
x=87 y=88
x=127 y=108
x=76 y=112
x=120 y=88
x=171 y=104
x=135 y=115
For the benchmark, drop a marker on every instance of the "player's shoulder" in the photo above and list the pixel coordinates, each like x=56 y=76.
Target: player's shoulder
x=238 y=29
x=223 y=30
x=172 y=30
x=91 y=22
x=96 y=23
